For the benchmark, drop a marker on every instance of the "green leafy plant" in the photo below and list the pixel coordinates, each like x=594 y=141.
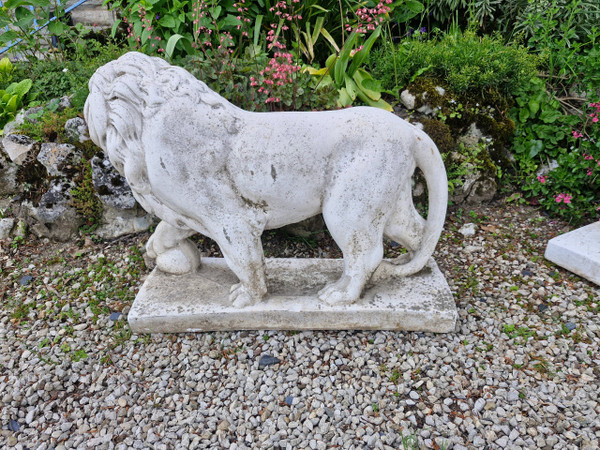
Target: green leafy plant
x=343 y=70
x=572 y=189
x=11 y=100
x=464 y=60
x=54 y=78
x=24 y=17
x=6 y=71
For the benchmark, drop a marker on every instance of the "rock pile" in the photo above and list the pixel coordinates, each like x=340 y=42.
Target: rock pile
x=471 y=137
x=54 y=190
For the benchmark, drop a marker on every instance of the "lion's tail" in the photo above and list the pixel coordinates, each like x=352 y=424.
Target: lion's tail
x=429 y=160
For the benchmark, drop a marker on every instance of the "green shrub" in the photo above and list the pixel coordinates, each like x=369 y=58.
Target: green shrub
x=54 y=79
x=467 y=62
x=514 y=19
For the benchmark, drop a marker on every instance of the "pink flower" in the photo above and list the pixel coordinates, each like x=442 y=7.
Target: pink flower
x=541 y=179
x=577 y=134
x=565 y=198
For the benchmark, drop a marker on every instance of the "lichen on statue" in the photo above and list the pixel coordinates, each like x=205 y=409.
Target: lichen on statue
x=203 y=165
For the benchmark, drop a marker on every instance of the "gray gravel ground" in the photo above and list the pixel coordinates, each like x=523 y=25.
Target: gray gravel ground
x=521 y=370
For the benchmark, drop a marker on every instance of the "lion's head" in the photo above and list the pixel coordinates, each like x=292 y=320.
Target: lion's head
x=128 y=90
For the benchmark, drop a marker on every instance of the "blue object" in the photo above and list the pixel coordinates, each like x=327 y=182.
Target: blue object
x=25 y=280
x=570 y=326
x=114 y=316
x=38 y=28
x=13 y=425
x=289 y=400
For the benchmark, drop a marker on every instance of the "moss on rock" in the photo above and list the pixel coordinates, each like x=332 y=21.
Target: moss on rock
x=440 y=133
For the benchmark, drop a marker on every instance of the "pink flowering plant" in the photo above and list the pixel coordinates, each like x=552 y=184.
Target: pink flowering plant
x=572 y=189
x=260 y=54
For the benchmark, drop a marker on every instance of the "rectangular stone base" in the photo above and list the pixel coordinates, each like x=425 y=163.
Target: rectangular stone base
x=578 y=251
x=200 y=302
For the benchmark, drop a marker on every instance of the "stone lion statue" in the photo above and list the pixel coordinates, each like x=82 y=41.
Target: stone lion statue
x=203 y=165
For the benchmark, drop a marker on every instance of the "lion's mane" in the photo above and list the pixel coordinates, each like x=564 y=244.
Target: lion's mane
x=126 y=92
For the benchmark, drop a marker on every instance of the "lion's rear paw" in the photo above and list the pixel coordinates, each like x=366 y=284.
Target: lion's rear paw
x=179 y=260
x=342 y=292
x=240 y=297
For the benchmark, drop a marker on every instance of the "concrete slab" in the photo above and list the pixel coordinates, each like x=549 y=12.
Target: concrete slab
x=200 y=302
x=578 y=251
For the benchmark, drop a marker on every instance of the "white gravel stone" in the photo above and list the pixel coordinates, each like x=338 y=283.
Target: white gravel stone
x=205 y=390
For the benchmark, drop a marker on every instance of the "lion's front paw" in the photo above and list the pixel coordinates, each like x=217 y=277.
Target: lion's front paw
x=342 y=292
x=240 y=297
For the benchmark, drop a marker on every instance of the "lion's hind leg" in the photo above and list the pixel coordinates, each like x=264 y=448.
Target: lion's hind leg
x=174 y=254
x=406 y=227
x=358 y=231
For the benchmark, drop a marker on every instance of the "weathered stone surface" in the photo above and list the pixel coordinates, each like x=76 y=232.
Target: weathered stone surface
x=76 y=129
x=60 y=159
x=204 y=165
x=55 y=217
x=6 y=226
x=93 y=13
x=17 y=146
x=476 y=187
x=8 y=175
x=578 y=251
x=200 y=302
x=472 y=137
x=468 y=230
x=112 y=188
x=118 y=222
x=408 y=99
x=481 y=190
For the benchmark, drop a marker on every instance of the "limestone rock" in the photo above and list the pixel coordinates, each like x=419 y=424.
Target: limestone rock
x=118 y=222
x=6 y=226
x=472 y=136
x=477 y=187
x=76 y=129
x=468 y=229
x=483 y=190
x=111 y=187
x=64 y=103
x=21 y=230
x=408 y=99
x=440 y=90
x=17 y=146
x=56 y=218
x=60 y=159
x=8 y=175
x=29 y=115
